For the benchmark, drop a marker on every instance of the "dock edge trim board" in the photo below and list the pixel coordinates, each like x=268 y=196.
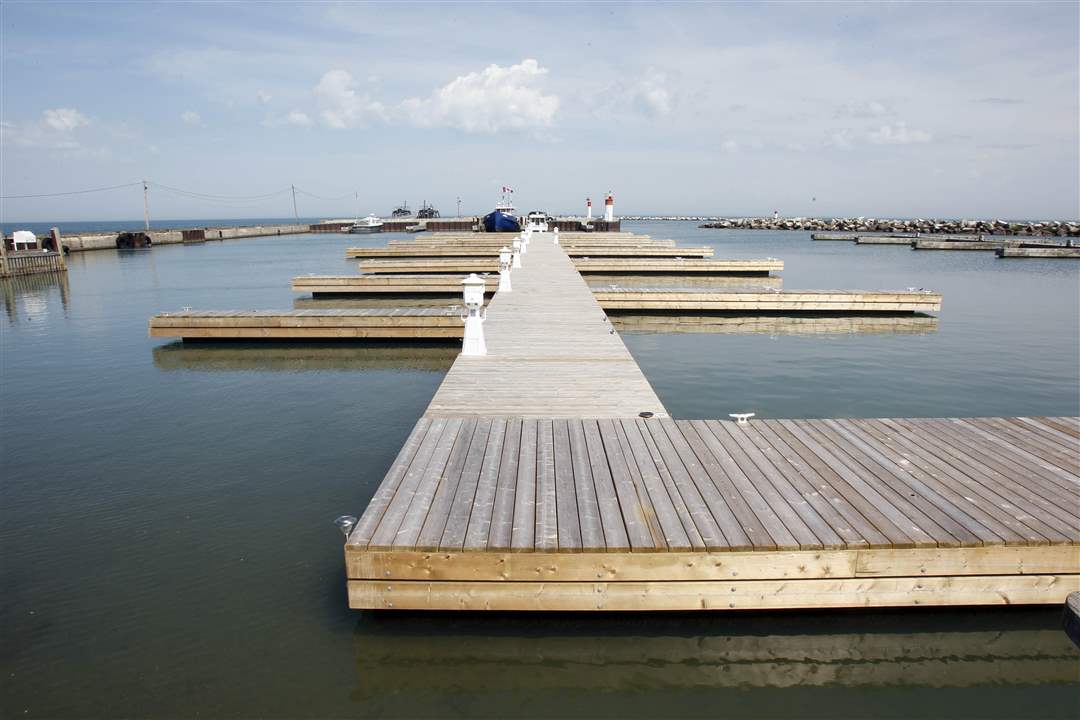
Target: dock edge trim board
x=969 y=590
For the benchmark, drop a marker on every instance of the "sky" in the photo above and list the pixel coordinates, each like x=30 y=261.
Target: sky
x=827 y=109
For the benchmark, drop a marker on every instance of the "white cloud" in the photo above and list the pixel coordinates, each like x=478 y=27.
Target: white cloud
x=54 y=131
x=263 y=97
x=864 y=109
x=64 y=119
x=898 y=134
x=340 y=103
x=496 y=98
x=295 y=118
x=651 y=94
x=840 y=139
x=298 y=118
x=190 y=117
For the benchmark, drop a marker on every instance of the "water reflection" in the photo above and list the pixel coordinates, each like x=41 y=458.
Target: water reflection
x=352 y=302
x=775 y=324
x=402 y=653
x=32 y=293
x=368 y=355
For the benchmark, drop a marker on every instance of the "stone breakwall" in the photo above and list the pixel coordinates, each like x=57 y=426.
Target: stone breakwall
x=923 y=227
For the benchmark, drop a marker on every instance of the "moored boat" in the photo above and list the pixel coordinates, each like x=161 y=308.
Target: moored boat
x=370 y=224
x=503 y=217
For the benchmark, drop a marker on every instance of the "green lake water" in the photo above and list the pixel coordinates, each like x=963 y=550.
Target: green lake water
x=165 y=510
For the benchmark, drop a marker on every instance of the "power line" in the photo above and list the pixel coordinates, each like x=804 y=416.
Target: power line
x=72 y=192
x=320 y=197
x=225 y=198
x=190 y=194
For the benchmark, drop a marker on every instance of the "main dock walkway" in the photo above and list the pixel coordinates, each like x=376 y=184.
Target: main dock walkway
x=533 y=482
x=551 y=352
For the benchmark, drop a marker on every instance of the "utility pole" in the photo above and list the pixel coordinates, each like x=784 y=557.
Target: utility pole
x=459 y=206
x=295 y=213
x=145 y=206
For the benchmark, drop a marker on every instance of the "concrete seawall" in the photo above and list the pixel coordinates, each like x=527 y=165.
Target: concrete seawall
x=108 y=241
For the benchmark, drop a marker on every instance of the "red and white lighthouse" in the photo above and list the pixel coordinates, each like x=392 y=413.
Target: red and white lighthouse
x=609 y=207
x=588 y=209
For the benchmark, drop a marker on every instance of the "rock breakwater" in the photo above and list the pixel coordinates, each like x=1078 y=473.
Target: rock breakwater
x=918 y=226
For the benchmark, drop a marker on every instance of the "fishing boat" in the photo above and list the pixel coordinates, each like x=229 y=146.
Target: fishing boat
x=427 y=212
x=502 y=218
x=402 y=211
x=370 y=224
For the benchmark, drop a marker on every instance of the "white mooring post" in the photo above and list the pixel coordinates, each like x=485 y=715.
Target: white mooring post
x=524 y=238
x=517 y=254
x=474 y=320
x=555 y=236
x=504 y=270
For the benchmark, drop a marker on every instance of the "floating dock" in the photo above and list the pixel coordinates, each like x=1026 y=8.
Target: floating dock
x=330 y=324
x=320 y=285
x=853 y=301
x=676 y=266
x=545 y=475
x=804 y=324
x=634 y=266
x=551 y=351
x=1039 y=252
x=433 y=250
x=527 y=513
x=645 y=298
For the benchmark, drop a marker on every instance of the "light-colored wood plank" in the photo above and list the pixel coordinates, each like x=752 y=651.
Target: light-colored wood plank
x=679 y=566
x=726 y=595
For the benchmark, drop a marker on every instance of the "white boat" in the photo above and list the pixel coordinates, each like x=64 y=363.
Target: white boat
x=537 y=221
x=370 y=224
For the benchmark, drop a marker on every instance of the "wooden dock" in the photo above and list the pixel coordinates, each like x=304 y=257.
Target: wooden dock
x=432 y=250
x=384 y=284
x=617 y=297
x=497 y=513
x=799 y=301
x=1039 y=252
x=330 y=324
x=633 y=266
x=804 y=324
x=545 y=475
x=551 y=352
x=883 y=240
x=677 y=267
x=30 y=262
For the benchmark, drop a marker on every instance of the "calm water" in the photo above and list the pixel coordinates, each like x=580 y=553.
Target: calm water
x=165 y=514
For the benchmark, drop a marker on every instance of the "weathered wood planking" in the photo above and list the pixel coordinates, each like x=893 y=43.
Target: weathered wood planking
x=1039 y=252
x=812 y=324
x=774 y=301
x=630 y=514
x=385 y=284
x=310 y=324
x=551 y=352
x=638 y=266
x=634 y=266
x=435 y=250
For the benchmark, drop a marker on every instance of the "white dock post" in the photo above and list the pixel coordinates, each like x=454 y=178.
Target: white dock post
x=524 y=237
x=555 y=235
x=504 y=270
x=517 y=253
x=474 y=321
